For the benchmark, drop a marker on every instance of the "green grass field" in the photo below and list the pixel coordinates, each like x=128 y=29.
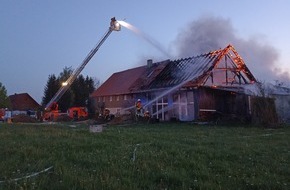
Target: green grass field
x=157 y=156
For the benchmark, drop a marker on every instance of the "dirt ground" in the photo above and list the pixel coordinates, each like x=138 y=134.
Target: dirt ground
x=24 y=119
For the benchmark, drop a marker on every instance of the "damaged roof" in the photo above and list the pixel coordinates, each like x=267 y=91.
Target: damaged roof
x=221 y=68
x=217 y=68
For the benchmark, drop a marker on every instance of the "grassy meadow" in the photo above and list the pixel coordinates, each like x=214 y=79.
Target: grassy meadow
x=156 y=156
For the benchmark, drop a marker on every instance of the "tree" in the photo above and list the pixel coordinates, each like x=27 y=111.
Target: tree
x=67 y=99
x=50 y=89
x=79 y=87
x=97 y=82
x=4 y=100
x=90 y=82
x=76 y=95
x=82 y=88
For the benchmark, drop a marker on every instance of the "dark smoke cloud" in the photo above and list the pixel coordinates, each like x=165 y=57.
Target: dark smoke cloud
x=212 y=33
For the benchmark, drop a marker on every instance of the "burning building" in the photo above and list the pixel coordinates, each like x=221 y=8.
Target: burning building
x=194 y=88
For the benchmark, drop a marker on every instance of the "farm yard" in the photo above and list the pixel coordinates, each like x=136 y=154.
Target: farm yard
x=139 y=156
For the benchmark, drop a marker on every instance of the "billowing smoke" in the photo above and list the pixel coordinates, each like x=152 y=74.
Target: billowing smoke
x=212 y=33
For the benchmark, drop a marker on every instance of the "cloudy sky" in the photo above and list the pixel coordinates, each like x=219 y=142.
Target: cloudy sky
x=39 y=38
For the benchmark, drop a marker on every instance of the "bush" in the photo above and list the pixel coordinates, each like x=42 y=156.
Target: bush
x=264 y=112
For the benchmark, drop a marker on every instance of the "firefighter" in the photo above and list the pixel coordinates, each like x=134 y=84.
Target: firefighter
x=138 y=106
x=112 y=23
x=107 y=114
x=147 y=115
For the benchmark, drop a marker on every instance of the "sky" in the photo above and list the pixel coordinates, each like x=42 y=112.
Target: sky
x=40 y=38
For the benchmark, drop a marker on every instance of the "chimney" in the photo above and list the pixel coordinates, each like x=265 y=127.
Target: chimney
x=149 y=63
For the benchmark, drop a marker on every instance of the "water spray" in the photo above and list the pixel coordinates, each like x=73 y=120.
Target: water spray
x=147 y=38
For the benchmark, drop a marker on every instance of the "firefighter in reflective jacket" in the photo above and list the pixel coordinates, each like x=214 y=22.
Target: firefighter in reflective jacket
x=147 y=115
x=138 y=107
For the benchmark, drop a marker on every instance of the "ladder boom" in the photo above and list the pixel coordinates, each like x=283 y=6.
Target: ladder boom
x=114 y=26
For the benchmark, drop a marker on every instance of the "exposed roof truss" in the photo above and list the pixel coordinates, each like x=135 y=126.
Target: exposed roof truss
x=228 y=69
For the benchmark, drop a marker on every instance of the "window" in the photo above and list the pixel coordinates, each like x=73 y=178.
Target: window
x=125 y=97
x=118 y=98
x=111 y=98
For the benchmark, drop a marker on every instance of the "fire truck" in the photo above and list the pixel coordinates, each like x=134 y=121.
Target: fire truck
x=2 y=114
x=75 y=113
x=51 y=108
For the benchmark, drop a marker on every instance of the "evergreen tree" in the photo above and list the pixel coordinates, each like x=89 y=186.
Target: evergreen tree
x=79 y=88
x=50 y=89
x=91 y=85
x=4 y=100
x=67 y=99
x=76 y=95
x=82 y=88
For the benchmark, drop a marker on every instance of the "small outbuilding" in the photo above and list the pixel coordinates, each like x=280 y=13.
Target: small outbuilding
x=23 y=103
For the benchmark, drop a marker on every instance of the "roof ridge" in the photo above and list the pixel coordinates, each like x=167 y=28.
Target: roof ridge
x=129 y=69
x=200 y=55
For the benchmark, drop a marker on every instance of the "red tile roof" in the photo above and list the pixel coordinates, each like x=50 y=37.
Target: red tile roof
x=23 y=102
x=120 y=82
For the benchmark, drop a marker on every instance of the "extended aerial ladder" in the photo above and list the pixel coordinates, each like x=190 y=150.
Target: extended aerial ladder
x=114 y=26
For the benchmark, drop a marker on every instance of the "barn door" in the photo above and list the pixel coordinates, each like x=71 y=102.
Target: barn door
x=185 y=106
